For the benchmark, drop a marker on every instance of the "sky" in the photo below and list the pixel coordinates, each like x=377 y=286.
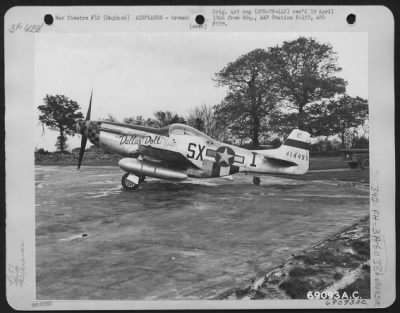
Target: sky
x=140 y=73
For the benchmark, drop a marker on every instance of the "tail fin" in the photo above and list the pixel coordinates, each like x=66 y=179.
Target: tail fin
x=298 y=139
x=292 y=157
x=296 y=149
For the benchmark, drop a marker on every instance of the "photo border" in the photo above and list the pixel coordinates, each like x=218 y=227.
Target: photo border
x=19 y=93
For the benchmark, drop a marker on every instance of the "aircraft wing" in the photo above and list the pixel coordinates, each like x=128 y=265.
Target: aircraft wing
x=168 y=157
x=280 y=162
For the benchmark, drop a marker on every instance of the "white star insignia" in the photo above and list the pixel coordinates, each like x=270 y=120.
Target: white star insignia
x=225 y=156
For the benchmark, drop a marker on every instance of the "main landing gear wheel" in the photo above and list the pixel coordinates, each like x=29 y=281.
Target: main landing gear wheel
x=256 y=180
x=365 y=164
x=127 y=184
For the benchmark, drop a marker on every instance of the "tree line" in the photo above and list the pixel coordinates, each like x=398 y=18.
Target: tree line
x=269 y=92
x=292 y=85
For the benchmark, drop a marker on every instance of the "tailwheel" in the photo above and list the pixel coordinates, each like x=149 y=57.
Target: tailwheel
x=256 y=180
x=127 y=184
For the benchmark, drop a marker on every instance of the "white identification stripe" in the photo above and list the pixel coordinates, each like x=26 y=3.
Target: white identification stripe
x=239 y=159
x=224 y=170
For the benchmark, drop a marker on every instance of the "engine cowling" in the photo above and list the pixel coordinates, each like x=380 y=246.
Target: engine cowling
x=147 y=168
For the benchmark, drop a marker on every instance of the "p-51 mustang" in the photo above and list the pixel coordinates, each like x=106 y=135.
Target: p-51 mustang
x=177 y=152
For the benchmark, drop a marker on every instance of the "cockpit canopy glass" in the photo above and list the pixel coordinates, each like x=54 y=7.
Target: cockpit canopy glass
x=181 y=129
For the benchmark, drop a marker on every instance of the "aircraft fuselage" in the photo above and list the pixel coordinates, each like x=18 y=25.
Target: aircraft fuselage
x=201 y=156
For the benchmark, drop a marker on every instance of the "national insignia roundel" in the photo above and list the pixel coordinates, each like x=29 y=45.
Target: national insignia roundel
x=224 y=156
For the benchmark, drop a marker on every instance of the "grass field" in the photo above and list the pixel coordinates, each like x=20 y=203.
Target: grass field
x=187 y=240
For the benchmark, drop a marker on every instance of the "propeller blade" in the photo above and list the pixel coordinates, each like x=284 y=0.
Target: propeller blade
x=84 y=137
x=90 y=107
x=82 y=151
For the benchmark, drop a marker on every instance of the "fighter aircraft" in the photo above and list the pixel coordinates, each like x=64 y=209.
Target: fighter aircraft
x=177 y=152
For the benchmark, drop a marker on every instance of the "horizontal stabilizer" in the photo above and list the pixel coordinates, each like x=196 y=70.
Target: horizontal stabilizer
x=280 y=162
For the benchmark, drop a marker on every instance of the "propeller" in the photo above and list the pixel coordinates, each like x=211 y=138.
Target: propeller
x=84 y=137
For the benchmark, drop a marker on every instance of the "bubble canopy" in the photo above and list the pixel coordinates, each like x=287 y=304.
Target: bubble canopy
x=181 y=129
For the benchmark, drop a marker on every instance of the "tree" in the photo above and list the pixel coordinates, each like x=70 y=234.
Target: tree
x=221 y=129
x=111 y=118
x=167 y=118
x=177 y=119
x=203 y=118
x=196 y=122
x=135 y=120
x=341 y=115
x=360 y=142
x=60 y=113
x=307 y=71
x=252 y=92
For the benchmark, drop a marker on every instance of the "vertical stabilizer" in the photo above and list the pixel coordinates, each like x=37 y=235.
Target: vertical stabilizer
x=296 y=148
x=292 y=157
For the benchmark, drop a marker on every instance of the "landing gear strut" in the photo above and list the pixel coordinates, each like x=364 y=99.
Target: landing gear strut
x=128 y=184
x=256 y=180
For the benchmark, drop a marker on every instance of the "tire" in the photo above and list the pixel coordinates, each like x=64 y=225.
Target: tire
x=364 y=164
x=353 y=164
x=142 y=178
x=128 y=185
x=256 y=180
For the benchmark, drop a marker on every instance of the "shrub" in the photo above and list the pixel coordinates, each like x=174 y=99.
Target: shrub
x=42 y=151
x=361 y=247
x=301 y=272
x=337 y=276
x=295 y=288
